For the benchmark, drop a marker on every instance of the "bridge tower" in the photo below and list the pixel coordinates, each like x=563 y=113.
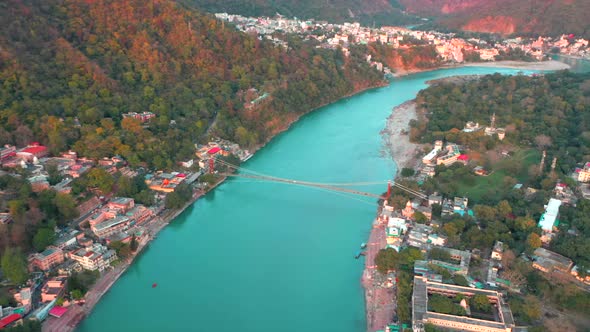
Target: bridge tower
x=388 y=190
x=211 y=166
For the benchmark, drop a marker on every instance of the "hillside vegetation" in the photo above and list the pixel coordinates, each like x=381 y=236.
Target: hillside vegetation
x=69 y=69
x=547 y=112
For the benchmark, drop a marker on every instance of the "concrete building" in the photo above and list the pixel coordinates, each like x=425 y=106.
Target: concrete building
x=497 y=251
x=549 y=218
x=549 y=261
x=418 y=236
x=463 y=259
x=96 y=257
x=583 y=174
x=111 y=226
x=53 y=288
x=44 y=261
x=421 y=315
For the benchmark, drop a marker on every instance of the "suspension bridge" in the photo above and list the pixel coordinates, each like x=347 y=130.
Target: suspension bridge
x=241 y=172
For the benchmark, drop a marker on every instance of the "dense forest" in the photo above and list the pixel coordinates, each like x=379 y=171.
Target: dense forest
x=70 y=68
x=545 y=112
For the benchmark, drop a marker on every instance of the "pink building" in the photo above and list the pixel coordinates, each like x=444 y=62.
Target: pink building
x=53 y=288
x=44 y=261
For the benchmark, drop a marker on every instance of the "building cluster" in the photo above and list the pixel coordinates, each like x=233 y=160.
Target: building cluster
x=118 y=215
x=208 y=153
x=442 y=154
x=402 y=231
x=142 y=117
x=104 y=222
x=448 y=46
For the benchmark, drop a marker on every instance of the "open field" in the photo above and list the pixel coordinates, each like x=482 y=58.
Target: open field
x=516 y=166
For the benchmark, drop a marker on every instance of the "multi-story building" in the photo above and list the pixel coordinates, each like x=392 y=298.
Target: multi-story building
x=44 y=261
x=501 y=321
x=583 y=174
x=53 y=288
x=96 y=257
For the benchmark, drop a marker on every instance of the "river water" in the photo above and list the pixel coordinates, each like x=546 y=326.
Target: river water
x=264 y=257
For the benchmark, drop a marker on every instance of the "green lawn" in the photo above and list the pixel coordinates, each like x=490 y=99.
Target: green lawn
x=515 y=166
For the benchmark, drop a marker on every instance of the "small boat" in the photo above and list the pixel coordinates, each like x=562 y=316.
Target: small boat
x=154 y=285
x=359 y=254
x=363 y=245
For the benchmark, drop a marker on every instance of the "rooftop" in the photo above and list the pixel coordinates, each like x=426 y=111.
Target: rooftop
x=550 y=259
x=110 y=223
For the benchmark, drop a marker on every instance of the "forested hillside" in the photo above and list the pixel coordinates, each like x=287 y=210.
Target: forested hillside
x=549 y=112
x=69 y=69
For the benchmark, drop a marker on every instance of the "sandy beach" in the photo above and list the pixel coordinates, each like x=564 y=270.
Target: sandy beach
x=395 y=135
x=540 y=65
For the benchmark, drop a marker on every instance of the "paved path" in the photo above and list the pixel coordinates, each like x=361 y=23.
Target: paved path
x=380 y=301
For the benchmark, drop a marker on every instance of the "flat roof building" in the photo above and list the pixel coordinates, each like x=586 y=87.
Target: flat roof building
x=549 y=261
x=549 y=218
x=421 y=315
x=44 y=261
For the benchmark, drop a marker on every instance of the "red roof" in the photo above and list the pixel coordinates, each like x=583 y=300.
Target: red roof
x=8 y=320
x=57 y=311
x=35 y=149
x=214 y=150
x=463 y=157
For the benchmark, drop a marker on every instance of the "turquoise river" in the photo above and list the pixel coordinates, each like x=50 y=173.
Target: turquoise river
x=262 y=257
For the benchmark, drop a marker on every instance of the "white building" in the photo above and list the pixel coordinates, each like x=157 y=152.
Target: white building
x=548 y=218
x=96 y=257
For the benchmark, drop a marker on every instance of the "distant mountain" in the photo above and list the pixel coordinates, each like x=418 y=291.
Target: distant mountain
x=368 y=12
x=534 y=17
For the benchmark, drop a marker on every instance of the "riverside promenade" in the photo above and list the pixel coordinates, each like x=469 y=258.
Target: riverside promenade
x=380 y=300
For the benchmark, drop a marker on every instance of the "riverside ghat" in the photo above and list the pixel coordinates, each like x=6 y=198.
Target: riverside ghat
x=263 y=256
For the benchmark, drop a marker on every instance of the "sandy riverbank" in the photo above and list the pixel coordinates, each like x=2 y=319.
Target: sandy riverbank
x=395 y=135
x=550 y=65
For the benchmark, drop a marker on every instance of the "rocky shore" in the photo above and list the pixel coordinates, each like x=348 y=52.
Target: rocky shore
x=396 y=137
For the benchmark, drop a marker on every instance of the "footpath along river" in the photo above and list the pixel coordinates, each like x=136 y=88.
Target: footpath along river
x=258 y=257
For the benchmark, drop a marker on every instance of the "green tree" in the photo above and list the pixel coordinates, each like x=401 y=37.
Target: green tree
x=66 y=206
x=54 y=176
x=77 y=294
x=14 y=265
x=100 y=179
x=407 y=172
x=481 y=303
x=420 y=217
x=386 y=260
x=44 y=237
x=533 y=242
x=460 y=280
x=134 y=244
